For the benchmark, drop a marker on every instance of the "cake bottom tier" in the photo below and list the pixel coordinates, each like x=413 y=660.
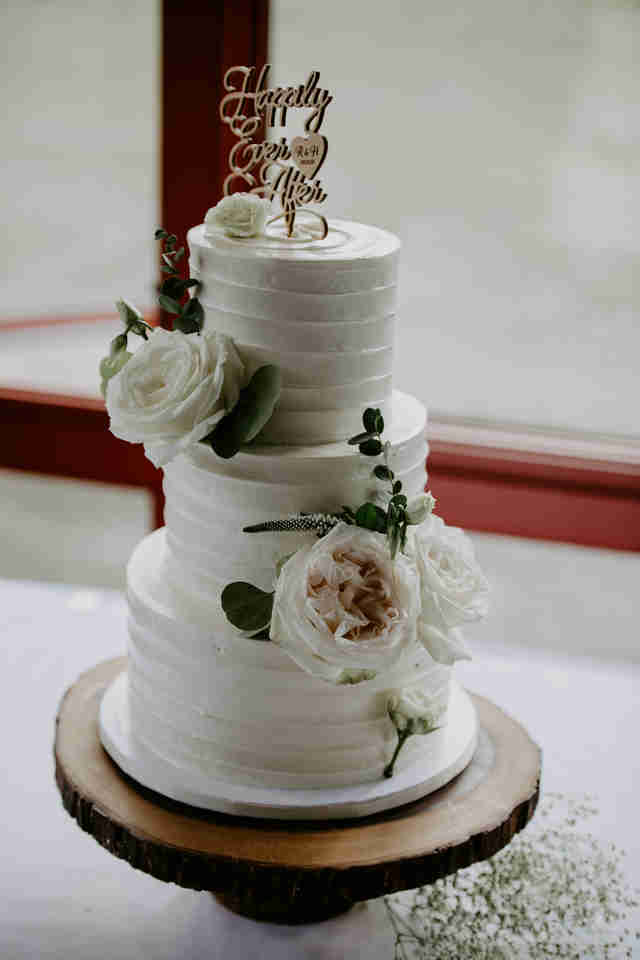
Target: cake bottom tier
x=242 y=711
x=451 y=749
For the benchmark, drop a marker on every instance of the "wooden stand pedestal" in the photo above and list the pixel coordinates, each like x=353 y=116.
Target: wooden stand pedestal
x=295 y=872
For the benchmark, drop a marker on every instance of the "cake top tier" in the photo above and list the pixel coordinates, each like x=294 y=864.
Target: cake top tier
x=352 y=257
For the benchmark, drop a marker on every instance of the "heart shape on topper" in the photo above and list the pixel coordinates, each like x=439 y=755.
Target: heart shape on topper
x=308 y=153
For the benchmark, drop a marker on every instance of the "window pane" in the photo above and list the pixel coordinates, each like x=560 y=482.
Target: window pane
x=501 y=141
x=79 y=85
x=54 y=529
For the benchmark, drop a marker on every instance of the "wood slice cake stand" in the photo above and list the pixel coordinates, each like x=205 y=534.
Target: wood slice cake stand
x=302 y=871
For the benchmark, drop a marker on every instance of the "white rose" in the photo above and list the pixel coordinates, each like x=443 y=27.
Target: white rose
x=445 y=646
x=239 y=215
x=453 y=588
x=341 y=605
x=174 y=390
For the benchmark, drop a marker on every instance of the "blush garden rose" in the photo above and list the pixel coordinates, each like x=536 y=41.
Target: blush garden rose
x=173 y=390
x=239 y=215
x=341 y=605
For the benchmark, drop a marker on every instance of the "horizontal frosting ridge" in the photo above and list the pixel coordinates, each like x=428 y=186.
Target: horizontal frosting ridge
x=309 y=306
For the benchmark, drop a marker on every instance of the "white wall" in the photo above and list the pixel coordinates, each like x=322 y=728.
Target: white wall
x=501 y=140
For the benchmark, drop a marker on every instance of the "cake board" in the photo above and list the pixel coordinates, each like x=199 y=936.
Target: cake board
x=295 y=871
x=451 y=749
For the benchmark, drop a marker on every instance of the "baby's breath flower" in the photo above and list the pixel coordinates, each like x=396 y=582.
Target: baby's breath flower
x=555 y=891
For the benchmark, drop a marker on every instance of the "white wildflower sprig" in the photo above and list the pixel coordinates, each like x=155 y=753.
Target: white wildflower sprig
x=555 y=891
x=411 y=714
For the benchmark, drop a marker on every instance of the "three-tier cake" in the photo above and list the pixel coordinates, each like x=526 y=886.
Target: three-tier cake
x=212 y=715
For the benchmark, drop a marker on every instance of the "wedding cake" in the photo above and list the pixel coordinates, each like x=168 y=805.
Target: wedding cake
x=293 y=627
x=301 y=711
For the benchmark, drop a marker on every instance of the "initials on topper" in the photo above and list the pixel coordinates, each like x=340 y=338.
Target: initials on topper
x=263 y=165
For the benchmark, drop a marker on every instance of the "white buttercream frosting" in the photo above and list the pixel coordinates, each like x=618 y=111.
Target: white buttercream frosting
x=242 y=709
x=202 y=697
x=322 y=310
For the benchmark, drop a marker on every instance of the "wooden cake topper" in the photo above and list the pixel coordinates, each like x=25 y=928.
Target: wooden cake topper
x=282 y=169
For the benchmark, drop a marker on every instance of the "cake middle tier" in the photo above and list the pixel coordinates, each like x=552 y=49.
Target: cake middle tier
x=322 y=311
x=210 y=500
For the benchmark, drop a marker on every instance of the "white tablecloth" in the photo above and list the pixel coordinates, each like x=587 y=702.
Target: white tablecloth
x=62 y=897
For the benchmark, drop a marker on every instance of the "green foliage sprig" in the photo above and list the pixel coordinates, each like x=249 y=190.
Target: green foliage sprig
x=393 y=521
x=188 y=315
x=245 y=606
x=369 y=442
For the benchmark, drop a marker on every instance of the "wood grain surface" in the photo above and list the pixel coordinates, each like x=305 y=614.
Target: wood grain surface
x=284 y=871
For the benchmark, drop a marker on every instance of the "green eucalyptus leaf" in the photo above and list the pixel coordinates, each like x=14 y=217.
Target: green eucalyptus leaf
x=194 y=311
x=252 y=412
x=247 y=607
x=160 y=234
x=371 y=517
x=370 y=448
x=397 y=487
x=372 y=420
x=359 y=438
x=399 y=499
x=192 y=317
x=383 y=473
x=185 y=325
x=173 y=287
x=169 y=304
x=172 y=239
x=168 y=261
x=369 y=420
